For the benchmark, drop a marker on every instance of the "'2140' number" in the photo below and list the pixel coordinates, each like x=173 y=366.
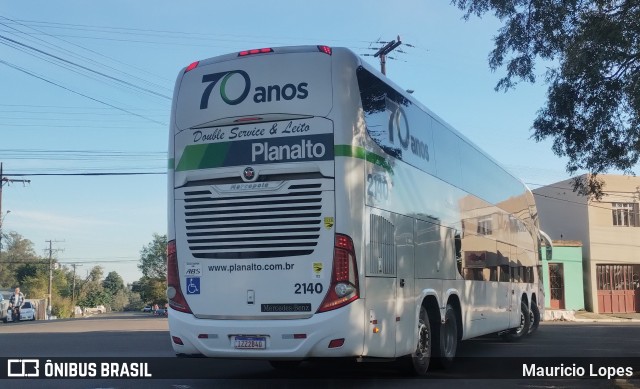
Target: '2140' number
x=309 y=288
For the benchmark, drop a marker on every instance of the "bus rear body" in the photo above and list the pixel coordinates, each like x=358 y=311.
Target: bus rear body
x=253 y=214
x=317 y=210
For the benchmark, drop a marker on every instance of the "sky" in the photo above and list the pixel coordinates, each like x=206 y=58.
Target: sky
x=86 y=88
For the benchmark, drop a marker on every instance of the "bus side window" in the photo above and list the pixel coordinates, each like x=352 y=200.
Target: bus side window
x=505 y=276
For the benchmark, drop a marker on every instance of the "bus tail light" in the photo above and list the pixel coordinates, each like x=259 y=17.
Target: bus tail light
x=255 y=51
x=325 y=49
x=192 y=66
x=174 y=292
x=344 y=277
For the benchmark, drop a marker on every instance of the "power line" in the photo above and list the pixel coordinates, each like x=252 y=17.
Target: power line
x=76 y=126
x=87 y=174
x=72 y=69
x=91 y=51
x=164 y=33
x=78 y=93
x=85 y=68
x=70 y=107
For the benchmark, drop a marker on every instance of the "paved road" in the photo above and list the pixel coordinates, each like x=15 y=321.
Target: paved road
x=106 y=335
x=140 y=335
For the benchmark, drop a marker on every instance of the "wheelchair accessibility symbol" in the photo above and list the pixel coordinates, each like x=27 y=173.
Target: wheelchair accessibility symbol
x=193 y=285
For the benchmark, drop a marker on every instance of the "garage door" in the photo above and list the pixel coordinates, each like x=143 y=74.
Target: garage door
x=618 y=288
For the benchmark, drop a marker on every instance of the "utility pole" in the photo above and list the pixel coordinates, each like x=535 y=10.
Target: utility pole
x=5 y=180
x=51 y=250
x=73 y=292
x=384 y=50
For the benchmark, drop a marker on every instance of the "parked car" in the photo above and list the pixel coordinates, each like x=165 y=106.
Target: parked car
x=27 y=312
x=4 y=307
x=147 y=308
x=98 y=309
x=161 y=312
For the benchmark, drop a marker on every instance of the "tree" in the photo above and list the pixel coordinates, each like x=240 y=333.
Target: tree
x=120 y=300
x=113 y=283
x=593 y=101
x=114 y=286
x=95 y=275
x=153 y=258
x=151 y=290
x=92 y=292
x=17 y=251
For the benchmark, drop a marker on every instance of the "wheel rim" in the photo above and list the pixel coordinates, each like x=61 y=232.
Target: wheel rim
x=522 y=321
x=423 y=341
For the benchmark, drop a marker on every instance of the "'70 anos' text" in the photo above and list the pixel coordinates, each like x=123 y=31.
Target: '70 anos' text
x=532 y=370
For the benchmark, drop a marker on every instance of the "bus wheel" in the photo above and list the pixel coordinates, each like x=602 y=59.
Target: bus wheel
x=534 y=318
x=447 y=343
x=418 y=362
x=522 y=329
x=284 y=365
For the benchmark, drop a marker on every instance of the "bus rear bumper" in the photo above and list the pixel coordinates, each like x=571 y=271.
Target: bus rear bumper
x=285 y=339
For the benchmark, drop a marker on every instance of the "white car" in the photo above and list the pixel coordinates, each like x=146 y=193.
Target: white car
x=27 y=312
x=4 y=307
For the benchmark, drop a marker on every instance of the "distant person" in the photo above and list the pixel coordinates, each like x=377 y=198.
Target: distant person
x=16 y=301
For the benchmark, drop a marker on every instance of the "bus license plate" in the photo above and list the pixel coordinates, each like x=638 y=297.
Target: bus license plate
x=250 y=342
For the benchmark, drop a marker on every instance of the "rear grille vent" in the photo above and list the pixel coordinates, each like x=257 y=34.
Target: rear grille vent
x=383 y=249
x=254 y=225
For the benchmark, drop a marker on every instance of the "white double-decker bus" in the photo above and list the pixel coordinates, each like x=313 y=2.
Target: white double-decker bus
x=318 y=210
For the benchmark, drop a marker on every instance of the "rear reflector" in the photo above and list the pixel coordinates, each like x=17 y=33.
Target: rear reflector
x=336 y=343
x=177 y=340
x=255 y=51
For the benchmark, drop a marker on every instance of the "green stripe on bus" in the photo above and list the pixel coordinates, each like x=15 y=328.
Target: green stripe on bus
x=361 y=153
x=203 y=156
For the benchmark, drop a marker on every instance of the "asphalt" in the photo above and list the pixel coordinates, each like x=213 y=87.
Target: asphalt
x=590 y=317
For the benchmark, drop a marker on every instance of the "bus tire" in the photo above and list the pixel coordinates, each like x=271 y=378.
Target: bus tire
x=446 y=344
x=517 y=333
x=418 y=362
x=534 y=317
x=284 y=365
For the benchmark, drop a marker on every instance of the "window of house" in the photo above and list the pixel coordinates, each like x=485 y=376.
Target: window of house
x=485 y=227
x=625 y=214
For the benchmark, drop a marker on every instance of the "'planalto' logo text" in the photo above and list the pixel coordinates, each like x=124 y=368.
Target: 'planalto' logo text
x=306 y=149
